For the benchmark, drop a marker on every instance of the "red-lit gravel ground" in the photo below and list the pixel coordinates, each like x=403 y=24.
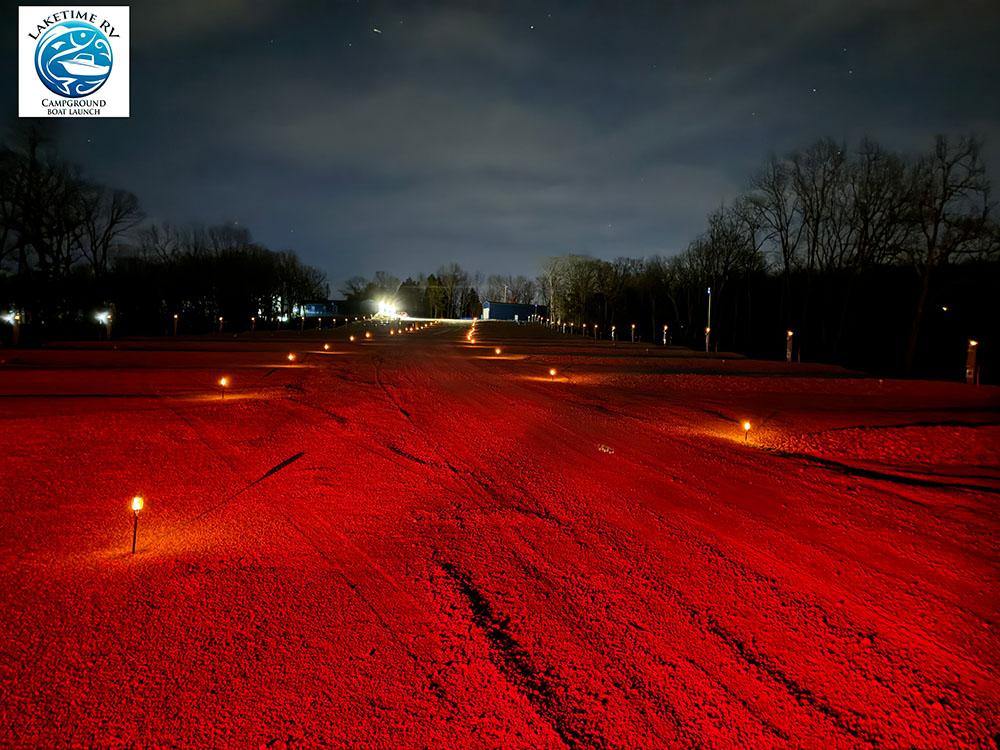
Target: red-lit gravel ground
x=413 y=542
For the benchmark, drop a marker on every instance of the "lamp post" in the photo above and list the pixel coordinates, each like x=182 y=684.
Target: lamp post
x=136 y=507
x=789 y=340
x=552 y=372
x=970 y=362
x=253 y=323
x=177 y=319
x=708 y=327
x=665 y=329
x=633 y=333
x=223 y=384
x=746 y=431
x=220 y=324
x=612 y=334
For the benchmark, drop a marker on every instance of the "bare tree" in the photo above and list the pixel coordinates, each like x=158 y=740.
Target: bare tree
x=107 y=215
x=951 y=208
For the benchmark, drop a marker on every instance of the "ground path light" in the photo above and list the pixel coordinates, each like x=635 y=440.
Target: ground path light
x=368 y=334
x=136 y=507
x=746 y=431
x=223 y=384
x=971 y=370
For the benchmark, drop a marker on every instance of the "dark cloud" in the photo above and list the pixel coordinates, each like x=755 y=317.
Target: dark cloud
x=495 y=134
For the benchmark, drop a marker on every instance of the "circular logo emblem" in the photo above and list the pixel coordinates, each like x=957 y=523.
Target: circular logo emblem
x=73 y=58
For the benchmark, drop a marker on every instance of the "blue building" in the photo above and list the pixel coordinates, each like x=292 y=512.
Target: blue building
x=513 y=311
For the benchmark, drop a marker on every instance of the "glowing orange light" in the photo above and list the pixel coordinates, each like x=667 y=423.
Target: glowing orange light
x=368 y=334
x=352 y=338
x=291 y=357
x=497 y=350
x=223 y=381
x=746 y=427
x=137 y=503
x=326 y=347
x=973 y=342
x=552 y=372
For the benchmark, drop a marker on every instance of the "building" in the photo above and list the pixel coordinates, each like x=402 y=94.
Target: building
x=513 y=311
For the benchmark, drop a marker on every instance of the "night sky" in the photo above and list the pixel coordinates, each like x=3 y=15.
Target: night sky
x=373 y=136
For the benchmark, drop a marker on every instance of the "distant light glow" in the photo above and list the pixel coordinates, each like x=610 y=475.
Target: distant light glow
x=137 y=503
x=552 y=372
x=368 y=334
x=351 y=338
x=497 y=350
x=103 y=316
x=326 y=347
x=387 y=309
x=291 y=357
x=223 y=381
x=746 y=427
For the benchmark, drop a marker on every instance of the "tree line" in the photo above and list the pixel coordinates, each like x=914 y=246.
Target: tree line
x=70 y=246
x=873 y=258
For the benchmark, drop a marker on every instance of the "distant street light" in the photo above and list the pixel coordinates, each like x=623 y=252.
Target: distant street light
x=497 y=351
x=291 y=357
x=326 y=347
x=665 y=329
x=104 y=318
x=552 y=372
x=220 y=324
x=253 y=323
x=136 y=507
x=13 y=319
x=633 y=333
x=223 y=384
x=351 y=338
x=176 y=321
x=746 y=431
x=368 y=334
x=789 y=340
x=612 y=334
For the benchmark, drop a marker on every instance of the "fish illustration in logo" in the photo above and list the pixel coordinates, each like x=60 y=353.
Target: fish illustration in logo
x=73 y=59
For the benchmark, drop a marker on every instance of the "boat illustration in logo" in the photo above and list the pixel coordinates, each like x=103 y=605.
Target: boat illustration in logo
x=73 y=58
x=84 y=65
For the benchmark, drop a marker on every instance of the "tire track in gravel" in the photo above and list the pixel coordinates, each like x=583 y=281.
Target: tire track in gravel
x=518 y=666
